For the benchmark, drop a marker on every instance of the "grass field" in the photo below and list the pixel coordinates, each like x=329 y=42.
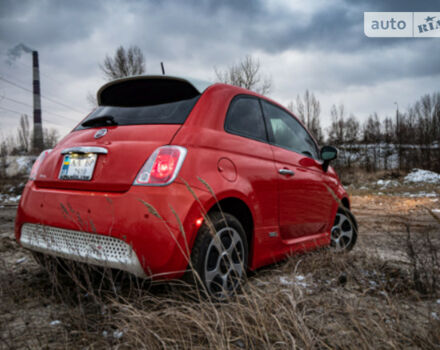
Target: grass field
x=385 y=294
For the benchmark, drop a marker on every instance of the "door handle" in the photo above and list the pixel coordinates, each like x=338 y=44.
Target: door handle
x=285 y=171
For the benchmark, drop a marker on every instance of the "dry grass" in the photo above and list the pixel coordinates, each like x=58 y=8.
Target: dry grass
x=314 y=301
x=319 y=300
x=322 y=301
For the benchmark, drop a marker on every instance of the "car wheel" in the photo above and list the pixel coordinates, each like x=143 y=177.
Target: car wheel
x=344 y=231
x=220 y=254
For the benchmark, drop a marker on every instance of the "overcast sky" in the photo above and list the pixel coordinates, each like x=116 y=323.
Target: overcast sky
x=300 y=44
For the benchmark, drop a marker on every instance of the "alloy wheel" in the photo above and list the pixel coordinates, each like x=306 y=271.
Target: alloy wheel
x=342 y=232
x=223 y=267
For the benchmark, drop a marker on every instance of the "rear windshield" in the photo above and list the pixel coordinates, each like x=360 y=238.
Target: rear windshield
x=165 y=113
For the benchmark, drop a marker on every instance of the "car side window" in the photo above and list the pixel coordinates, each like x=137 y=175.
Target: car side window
x=245 y=118
x=287 y=132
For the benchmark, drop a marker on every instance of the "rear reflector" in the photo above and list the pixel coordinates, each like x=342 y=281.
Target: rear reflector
x=162 y=167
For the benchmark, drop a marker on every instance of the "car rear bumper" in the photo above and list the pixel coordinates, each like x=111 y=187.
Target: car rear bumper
x=139 y=231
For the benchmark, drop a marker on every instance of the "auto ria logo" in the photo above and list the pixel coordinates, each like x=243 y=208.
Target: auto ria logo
x=402 y=24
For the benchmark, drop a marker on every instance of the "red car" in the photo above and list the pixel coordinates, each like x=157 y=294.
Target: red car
x=170 y=173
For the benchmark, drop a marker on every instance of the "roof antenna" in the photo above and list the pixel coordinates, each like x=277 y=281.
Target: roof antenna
x=163 y=69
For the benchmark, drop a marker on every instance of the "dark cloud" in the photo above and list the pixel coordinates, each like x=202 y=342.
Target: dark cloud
x=193 y=36
x=337 y=27
x=47 y=23
x=249 y=25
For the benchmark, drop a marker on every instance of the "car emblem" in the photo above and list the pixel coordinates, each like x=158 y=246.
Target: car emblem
x=100 y=133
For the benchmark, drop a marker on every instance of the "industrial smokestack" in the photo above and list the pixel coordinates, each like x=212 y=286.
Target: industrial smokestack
x=37 y=142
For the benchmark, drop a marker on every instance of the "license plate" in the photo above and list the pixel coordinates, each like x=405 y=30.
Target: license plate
x=78 y=166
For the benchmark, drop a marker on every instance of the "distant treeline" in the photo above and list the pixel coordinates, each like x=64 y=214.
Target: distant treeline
x=409 y=139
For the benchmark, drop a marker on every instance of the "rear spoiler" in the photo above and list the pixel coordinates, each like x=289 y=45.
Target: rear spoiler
x=147 y=90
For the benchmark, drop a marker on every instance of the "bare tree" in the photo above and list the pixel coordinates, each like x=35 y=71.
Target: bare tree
x=24 y=135
x=3 y=154
x=342 y=130
x=51 y=137
x=124 y=63
x=245 y=74
x=371 y=129
x=371 y=137
x=308 y=109
x=92 y=100
x=388 y=138
x=336 y=130
x=351 y=132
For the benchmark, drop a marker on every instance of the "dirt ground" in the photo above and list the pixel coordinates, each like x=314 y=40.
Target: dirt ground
x=28 y=299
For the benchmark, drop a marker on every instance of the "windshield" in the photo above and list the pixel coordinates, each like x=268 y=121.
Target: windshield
x=166 y=113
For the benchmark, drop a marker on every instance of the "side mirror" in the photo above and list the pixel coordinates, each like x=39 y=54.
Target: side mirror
x=328 y=153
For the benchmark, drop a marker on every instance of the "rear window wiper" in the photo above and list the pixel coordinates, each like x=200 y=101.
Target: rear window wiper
x=100 y=121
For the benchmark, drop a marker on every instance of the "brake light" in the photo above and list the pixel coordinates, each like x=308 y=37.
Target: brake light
x=37 y=163
x=162 y=167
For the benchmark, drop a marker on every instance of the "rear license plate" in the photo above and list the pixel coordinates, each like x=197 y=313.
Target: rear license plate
x=78 y=166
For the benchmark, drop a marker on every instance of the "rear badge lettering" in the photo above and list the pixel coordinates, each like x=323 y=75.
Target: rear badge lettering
x=100 y=133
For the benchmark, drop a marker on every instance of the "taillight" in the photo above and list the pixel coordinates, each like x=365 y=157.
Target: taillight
x=37 y=163
x=162 y=167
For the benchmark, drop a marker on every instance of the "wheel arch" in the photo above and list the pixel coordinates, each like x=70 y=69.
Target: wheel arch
x=345 y=202
x=238 y=208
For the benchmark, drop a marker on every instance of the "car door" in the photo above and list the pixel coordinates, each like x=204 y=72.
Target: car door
x=303 y=199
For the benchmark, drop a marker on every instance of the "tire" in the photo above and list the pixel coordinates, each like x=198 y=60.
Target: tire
x=344 y=231
x=219 y=255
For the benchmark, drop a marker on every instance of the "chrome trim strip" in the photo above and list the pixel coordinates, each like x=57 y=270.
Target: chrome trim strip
x=85 y=149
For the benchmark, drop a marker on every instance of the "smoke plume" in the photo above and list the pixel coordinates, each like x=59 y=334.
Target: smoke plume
x=16 y=51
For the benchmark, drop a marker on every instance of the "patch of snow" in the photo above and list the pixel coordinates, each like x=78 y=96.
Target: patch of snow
x=23 y=162
x=285 y=281
x=373 y=283
x=387 y=183
x=14 y=199
x=104 y=310
x=16 y=165
x=419 y=194
x=55 y=323
x=435 y=210
x=21 y=260
x=118 y=334
x=435 y=316
x=104 y=334
x=438 y=301
x=420 y=175
x=299 y=281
